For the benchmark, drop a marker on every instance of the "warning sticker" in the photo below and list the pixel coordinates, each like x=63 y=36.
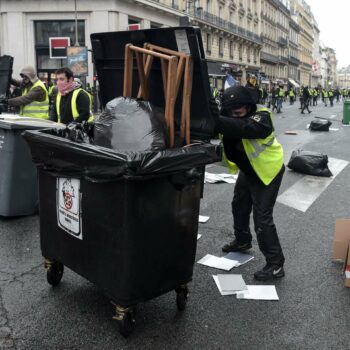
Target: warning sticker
x=182 y=41
x=69 y=206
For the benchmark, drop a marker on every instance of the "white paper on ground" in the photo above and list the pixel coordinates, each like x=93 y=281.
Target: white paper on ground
x=218 y=263
x=259 y=293
x=241 y=258
x=229 y=283
x=220 y=290
x=199 y=236
x=334 y=129
x=203 y=219
x=214 y=178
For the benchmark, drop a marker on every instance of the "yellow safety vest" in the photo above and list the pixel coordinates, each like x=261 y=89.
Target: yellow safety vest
x=74 y=108
x=265 y=155
x=325 y=94
x=281 y=93
x=291 y=93
x=36 y=109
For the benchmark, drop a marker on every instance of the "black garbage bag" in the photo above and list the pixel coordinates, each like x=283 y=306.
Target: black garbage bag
x=131 y=125
x=80 y=133
x=310 y=163
x=320 y=125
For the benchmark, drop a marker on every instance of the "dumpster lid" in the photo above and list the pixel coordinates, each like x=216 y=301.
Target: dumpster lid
x=6 y=63
x=13 y=121
x=108 y=54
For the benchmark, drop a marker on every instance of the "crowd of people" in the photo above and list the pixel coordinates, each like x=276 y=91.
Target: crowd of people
x=275 y=96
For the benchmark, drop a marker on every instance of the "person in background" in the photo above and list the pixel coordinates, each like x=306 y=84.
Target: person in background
x=34 y=99
x=305 y=99
x=72 y=102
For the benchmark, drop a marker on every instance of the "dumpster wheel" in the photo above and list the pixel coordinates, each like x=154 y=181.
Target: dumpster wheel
x=126 y=320
x=54 y=272
x=181 y=297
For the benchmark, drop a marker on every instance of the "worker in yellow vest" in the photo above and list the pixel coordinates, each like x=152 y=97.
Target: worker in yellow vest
x=251 y=146
x=72 y=102
x=34 y=99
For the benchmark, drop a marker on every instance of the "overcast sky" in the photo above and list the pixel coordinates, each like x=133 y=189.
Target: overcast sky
x=333 y=18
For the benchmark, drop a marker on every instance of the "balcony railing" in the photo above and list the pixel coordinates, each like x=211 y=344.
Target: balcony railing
x=282 y=41
x=283 y=59
x=268 y=57
x=219 y=22
x=294 y=60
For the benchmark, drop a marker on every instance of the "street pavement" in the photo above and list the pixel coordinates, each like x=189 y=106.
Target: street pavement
x=311 y=313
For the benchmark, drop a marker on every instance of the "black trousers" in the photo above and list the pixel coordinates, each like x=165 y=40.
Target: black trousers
x=251 y=194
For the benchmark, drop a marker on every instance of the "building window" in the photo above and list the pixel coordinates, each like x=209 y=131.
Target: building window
x=220 y=11
x=248 y=54
x=175 y=4
x=240 y=52
x=208 y=6
x=208 y=43
x=221 y=47
x=231 y=49
x=44 y=30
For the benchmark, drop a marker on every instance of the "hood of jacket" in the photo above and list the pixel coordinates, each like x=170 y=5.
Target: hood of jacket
x=30 y=73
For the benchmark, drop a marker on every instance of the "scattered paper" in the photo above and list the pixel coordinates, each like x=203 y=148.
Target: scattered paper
x=259 y=293
x=219 y=287
x=203 y=219
x=333 y=129
x=241 y=258
x=308 y=126
x=229 y=283
x=218 y=263
x=215 y=178
x=199 y=236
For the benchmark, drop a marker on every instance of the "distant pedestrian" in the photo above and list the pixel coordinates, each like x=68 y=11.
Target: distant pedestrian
x=306 y=99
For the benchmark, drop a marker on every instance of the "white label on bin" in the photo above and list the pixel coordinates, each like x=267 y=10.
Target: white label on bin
x=182 y=41
x=69 y=206
x=2 y=141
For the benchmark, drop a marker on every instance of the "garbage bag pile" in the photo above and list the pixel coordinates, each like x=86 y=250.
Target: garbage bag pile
x=131 y=125
x=309 y=163
x=320 y=125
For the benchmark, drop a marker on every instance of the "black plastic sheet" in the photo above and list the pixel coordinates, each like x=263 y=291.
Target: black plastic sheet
x=131 y=125
x=320 y=125
x=309 y=163
x=62 y=156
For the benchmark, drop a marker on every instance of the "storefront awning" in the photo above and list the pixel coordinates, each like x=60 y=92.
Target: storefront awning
x=294 y=83
x=214 y=69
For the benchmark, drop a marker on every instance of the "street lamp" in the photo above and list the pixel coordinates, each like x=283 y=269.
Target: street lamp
x=76 y=24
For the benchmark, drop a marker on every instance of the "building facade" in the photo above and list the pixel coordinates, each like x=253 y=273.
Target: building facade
x=332 y=74
x=344 y=77
x=273 y=39
x=316 y=76
x=303 y=14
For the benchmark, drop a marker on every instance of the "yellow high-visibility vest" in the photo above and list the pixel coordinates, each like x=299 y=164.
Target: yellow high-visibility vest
x=265 y=155
x=74 y=107
x=36 y=109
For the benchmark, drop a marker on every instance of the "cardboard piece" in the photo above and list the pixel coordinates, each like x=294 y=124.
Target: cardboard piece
x=347 y=267
x=341 y=239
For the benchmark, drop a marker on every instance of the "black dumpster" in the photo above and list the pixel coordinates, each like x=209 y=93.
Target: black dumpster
x=126 y=221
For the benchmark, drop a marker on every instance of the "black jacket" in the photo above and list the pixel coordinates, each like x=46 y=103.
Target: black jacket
x=66 y=115
x=257 y=126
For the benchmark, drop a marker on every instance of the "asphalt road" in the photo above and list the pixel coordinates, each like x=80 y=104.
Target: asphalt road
x=311 y=313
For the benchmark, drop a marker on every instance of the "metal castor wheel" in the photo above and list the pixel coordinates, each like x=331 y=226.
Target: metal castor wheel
x=126 y=320
x=54 y=272
x=181 y=297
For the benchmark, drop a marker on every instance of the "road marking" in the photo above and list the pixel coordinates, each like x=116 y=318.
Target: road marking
x=303 y=193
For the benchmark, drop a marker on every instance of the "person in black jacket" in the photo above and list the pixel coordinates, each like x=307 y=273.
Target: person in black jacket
x=71 y=103
x=306 y=99
x=250 y=144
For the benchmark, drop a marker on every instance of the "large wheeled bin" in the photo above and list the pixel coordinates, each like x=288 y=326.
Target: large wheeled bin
x=127 y=222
